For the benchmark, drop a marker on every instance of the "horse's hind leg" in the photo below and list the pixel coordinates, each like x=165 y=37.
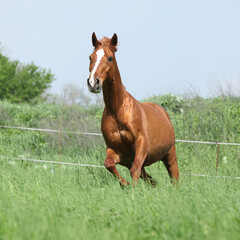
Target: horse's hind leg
x=170 y=162
x=146 y=177
x=110 y=163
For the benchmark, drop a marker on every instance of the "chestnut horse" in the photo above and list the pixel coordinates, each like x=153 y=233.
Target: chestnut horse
x=136 y=134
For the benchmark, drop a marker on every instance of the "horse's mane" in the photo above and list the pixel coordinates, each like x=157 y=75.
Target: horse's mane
x=106 y=42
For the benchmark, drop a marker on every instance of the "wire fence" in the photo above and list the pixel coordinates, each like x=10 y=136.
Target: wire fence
x=99 y=166
x=99 y=134
x=52 y=162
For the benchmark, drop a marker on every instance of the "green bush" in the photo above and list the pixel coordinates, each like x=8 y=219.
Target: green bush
x=169 y=102
x=22 y=83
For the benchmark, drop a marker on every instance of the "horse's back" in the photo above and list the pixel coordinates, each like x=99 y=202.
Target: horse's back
x=153 y=107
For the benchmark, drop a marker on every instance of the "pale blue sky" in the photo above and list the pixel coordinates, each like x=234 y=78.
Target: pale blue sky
x=165 y=46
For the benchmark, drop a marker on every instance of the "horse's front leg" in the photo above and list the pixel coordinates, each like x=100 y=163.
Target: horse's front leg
x=110 y=163
x=140 y=156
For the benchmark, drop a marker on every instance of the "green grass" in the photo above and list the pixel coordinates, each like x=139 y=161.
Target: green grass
x=47 y=201
x=52 y=202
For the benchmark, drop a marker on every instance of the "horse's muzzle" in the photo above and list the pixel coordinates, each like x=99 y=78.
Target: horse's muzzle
x=96 y=87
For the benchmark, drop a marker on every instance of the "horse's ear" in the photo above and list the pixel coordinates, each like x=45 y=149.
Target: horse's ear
x=114 y=41
x=95 y=41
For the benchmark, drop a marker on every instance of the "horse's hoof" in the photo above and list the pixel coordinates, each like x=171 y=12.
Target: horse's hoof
x=123 y=184
x=153 y=182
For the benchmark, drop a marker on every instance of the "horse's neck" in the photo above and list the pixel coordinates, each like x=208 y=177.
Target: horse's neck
x=113 y=93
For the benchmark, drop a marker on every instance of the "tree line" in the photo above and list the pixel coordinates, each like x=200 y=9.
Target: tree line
x=22 y=82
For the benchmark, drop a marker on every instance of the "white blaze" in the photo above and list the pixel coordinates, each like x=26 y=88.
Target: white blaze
x=100 y=54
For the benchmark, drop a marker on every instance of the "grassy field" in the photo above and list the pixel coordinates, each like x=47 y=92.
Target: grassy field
x=47 y=201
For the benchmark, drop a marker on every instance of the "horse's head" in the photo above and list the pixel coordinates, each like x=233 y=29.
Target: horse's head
x=102 y=62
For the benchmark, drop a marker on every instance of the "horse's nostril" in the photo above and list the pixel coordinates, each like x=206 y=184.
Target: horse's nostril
x=97 y=81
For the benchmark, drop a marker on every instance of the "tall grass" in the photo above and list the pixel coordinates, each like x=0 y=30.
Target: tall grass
x=40 y=201
x=75 y=203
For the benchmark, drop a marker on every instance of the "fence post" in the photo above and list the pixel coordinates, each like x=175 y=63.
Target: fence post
x=217 y=157
x=59 y=140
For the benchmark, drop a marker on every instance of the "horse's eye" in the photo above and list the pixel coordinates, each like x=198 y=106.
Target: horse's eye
x=110 y=59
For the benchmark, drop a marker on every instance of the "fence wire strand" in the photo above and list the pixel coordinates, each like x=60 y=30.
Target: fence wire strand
x=53 y=162
x=100 y=166
x=99 y=134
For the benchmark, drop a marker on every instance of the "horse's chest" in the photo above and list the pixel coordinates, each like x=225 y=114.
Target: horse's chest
x=118 y=138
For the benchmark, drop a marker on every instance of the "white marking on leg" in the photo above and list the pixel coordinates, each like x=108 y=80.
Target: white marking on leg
x=100 y=54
